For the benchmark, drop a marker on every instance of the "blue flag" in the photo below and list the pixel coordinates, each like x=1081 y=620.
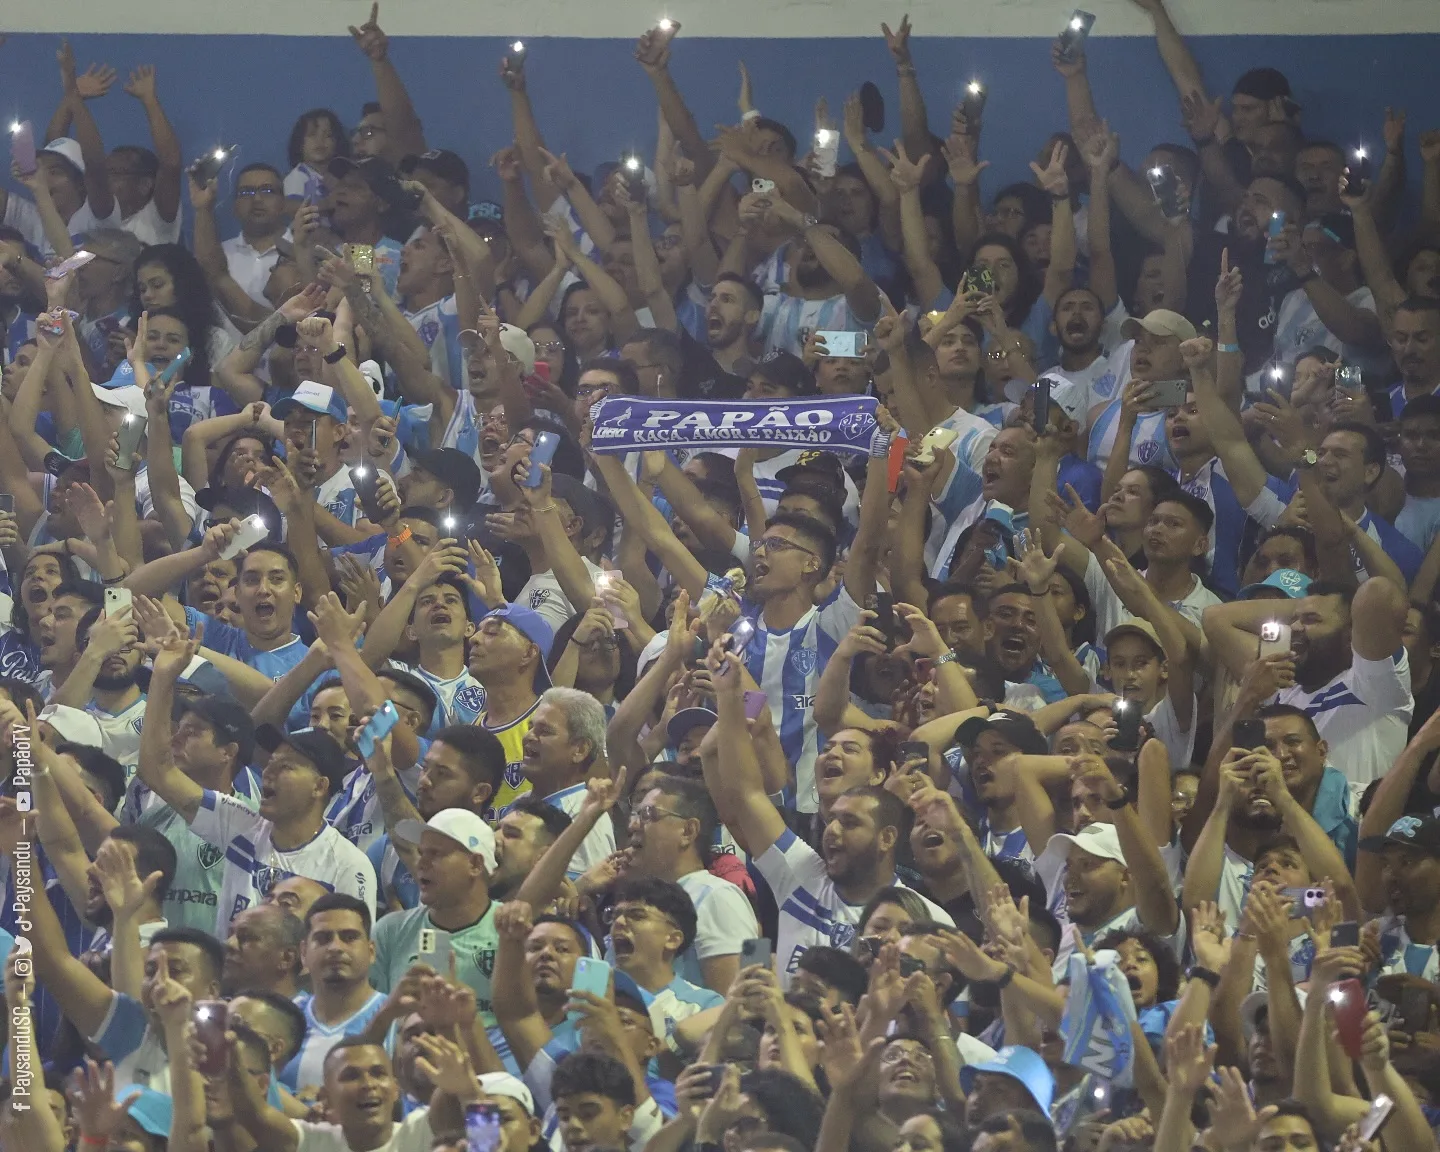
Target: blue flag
x=1098 y=1015
x=842 y=424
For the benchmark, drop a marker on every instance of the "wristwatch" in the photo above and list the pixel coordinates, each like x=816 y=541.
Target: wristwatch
x=807 y=222
x=946 y=658
x=336 y=356
x=1308 y=459
x=1210 y=977
x=1121 y=801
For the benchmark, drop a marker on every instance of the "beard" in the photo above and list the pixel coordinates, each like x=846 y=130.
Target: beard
x=116 y=683
x=1265 y=820
x=808 y=276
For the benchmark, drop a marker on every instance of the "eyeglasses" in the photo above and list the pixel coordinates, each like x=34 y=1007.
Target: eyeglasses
x=599 y=644
x=653 y=814
x=364 y=132
x=263 y=190
x=549 y=346
x=633 y=914
x=894 y=1053
x=777 y=544
x=590 y=389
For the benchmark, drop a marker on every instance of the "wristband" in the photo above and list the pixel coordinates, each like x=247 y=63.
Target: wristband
x=946 y=658
x=746 y=117
x=905 y=69
x=336 y=356
x=1205 y=974
x=1122 y=802
x=109 y=581
x=1227 y=347
x=401 y=537
x=1004 y=981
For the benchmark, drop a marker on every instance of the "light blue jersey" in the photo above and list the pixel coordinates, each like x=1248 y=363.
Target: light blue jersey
x=305 y=1073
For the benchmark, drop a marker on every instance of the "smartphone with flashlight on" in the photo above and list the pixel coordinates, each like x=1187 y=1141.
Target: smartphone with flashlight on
x=541 y=452
x=482 y=1128
x=376 y=728
x=1165 y=187
x=1274 y=639
x=208 y=166
x=633 y=169
x=252 y=531
x=605 y=590
x=1074 y=34
x=741 y=633
x=132 y=430
x=1127 y=726
x=516 y=55
x=974 y=103
x=172 y=370
x=1348 y=1001
x=1357 y=174
x=22 y=147
x=211 y=1017
x=71 y=263
x=1374 y=1120
x=827 y=151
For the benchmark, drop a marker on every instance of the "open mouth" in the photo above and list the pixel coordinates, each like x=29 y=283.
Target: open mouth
x=905 y=1075
x=267 y=792
x=833 y=771
x=370 y=1105
x=714 y=323
x=440 y=619
x=36 y=594
x=265 y=611
x=623 y=945
x=1013 y=645
x=1133 y=980
x=932 y=839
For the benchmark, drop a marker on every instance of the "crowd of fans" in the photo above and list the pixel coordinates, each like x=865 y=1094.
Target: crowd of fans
x=391 y=766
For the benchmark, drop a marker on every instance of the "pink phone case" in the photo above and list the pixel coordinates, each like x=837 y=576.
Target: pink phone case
x=22 y=148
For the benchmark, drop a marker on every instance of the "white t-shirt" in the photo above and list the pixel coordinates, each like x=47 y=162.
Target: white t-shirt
x=542 y=592
x=1179 y=742
x=1109 y=611
x=723 y=921
x=411 y=1135
x=24 y=217
x=812 y=912
x=120 y=732
x=253 y=865
x=147 y=225
x=598 y=843
x=1363 y=714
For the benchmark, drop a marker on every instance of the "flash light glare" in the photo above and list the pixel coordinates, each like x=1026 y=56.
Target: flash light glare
x=1277 y=372
x=14 y=127
x=1077 y=23
x=1156 y=173
x=1359 y=153
x=518 y=46
x=666 y=24
x=219 y=153
x=823 y=136
x=974 y=87
x=1336 y=995
x=632 y=163
x=449 y=522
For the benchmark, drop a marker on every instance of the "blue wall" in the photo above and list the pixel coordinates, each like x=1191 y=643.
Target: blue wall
x=593 y=100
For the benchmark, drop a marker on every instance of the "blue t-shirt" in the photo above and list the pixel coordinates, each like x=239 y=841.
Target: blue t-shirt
x=274 y=663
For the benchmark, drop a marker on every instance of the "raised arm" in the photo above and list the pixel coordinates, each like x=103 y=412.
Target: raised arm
x=157 y=768
x=404 y=132
x=653 y=53
x=1388 y=805
x=905 y=178
x=733 y=776
x=1179 y=62
x=860 y=291
x=73 y=114
x=690 y=505
x=1101 y=150
x=1061 y=273
x=640 y=514
x=647 y=265
x=141 y=85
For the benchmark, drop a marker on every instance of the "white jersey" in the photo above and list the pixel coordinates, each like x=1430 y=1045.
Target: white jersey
x=147 y=225
x=543 y=593
x=305 y=1074
x=1363 y=714
x=723 y=920
x=1110 y=612
x=598 y=843
x=337 y=496
x=411 y=1135
x=812 y=913
x=1179 y=742
x=771 y=488
x=253 y=865
x=120 y=733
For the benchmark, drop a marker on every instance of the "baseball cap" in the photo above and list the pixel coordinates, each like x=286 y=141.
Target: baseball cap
x=594 y=510
x=57 y=463
x=534 y=628
x=318 y=398
x=317 y=746
x=441 y=161
x=204 y=677
x=68 y=149
x=373 y=376
x=454 y=468
x=825 y=465
x=785 y=370
x=1418 y=832
x=131 y=397
x=1022 y=1064
x=517 y=342
x=487 y=217
x=1094 y=839
x=152 y=1111
x=1159 y=322
x=1287 y=581
x=229 y=718
x=1013 y=727
x=1263 y=84
x=74 y=725
x=651 y=652
x=372 y=169
x=688 y=718
x=504 y=1084
x=466 y=828
x=1139 y=627
x=243 y=501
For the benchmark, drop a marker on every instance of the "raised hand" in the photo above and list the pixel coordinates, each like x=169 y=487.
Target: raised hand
x=1053 y=177
x=960 y=158
x=905 y=174
x=1208 y=938
x=141 y=84
x=1034 y=567
x=370 y=39
x=1202 y=116
x=1233 y=1120
x=96 y=1107
x=898 y=41
x=1229 y=287
x=174 y=653
x=338 y=628
x=446 y=1065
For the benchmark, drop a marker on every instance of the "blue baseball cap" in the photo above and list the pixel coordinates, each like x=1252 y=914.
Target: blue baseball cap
x=1291 y=584
x=534 y=628
x=152 y=1111
x=318 y=398
x=1022 y=1064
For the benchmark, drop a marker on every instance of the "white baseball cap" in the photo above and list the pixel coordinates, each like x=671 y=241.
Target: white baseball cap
x=73 y=725
x=1064 y=394
x=1095 y=839
x=131 y=397
x=460 y=824
x=504 y=1084
x=371 y=371
x=517 y=342
x=69 y=149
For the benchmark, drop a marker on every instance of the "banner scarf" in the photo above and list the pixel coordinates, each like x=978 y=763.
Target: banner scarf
x=842 y=424
x=1098 y=1015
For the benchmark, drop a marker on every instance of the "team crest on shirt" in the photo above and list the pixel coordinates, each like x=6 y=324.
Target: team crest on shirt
x=137 y=724
x=1148 y=451
x=209 y=856
x=514 y=773
x=841 y=935
x=429 y=329
x=1105 y=385
x=266 y=878
x=471 y=697
x=802 y=661
x=485 y=961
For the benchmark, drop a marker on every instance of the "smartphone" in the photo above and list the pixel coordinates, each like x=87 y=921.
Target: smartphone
x=381 y=721
x=827 y=151
x=211 y=1017
x=132 y=428
x=883 y=605
x=1380 y=1109
x=543 y=452
x=482 y=1128
x=872 y=107
x=362 y=258
x=386 y=185
x=741 y=633
x=1349 y=377
x=978 y=278
x=22 y=147
x=1415 y=1010
x=366 y=482
x=1248 y=734
x=632 y=170
x=1169 y=393
x=1303 y=901
x=517 y=53
x=7 y=503
x=974 y=103
x=1274 y=639
x=117 y=600
x=1040 y=390
x=1072 y=36
x=604 y=587
x=1348 y=1000
x=755 y=703
x=208 y=166
x=174 y=368
x=717 y=1078
x=1346 y=934
x=895 y=465
x=762 y=187
x=755 y=952
x=1277 y=225
x=434 y=949
x=1165 y=187
x=48 y=326
x=1127 y=726
x=1357 y=174
x=936 y=440
x=845 y=345
x=592 y=976
x=914 y=752
x=77 y=259
x=252 y=530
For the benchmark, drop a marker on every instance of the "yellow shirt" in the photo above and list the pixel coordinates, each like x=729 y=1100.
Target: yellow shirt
x=512 y=739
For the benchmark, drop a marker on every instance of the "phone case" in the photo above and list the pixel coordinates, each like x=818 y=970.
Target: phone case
x=543 y=452
x=827 y=151
x=22 y=148
x=362 y=258
x=376 y=729
x=755 y=703
x=1348 y=1000
x=755 y=951
x=251 y=532
x=71 y=263
x=896 y=463
x=117 y=600
x=592 y=976
x=1276 y=226
x=127 y=440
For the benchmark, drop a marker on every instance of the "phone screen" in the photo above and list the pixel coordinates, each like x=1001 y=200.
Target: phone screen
x=211 y=1018
x=482 y=1128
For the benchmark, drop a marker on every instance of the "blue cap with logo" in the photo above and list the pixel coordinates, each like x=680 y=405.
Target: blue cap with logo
x=1419 y=832
x=1022 y=1064
x=312 y=397
x=1289 y=583
x=534 y=628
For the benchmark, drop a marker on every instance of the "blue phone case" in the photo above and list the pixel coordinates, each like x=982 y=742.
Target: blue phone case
x=376 y=728
x=592 y=976
x=542 y=453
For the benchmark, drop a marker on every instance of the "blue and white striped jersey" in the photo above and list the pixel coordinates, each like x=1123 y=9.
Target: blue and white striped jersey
x=462 y=697
x=355 y=811
x=304 y=1075
x=1363 y=714
x=771 y=489
x=787 y=666
x=337 y=496
x=812 y=912
x=438 y=325
x=1212 y=485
